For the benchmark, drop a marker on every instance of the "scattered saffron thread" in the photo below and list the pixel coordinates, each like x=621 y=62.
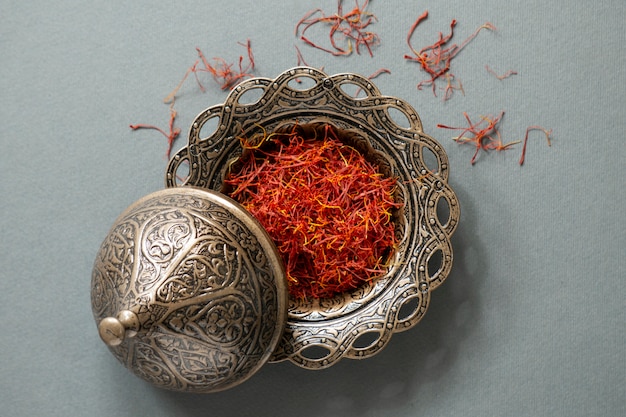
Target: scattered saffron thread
x=436 y=59
x=182 y=178
x=347 y=31
x=171 y=136
x=326 y=207
x=222 y=72
x=500 y=77
x=301 y=61
x=375 y=74
x=225 y=74
x=529 y=129
x=378 y=72
x=485 y=135
x=300 y=58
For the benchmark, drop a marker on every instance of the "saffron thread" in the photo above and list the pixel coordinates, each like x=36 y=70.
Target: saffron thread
x=436 y=59
x=528 y=130
x=500 y=77
x=375 y=74
x=348 y=32
x=225 y=74
x=485 y=135
x=171 y=136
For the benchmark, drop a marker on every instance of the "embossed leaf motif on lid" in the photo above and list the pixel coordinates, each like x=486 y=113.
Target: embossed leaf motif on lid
x=188 y=291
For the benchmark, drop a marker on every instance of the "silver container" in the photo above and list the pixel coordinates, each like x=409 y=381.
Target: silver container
x=137 y=322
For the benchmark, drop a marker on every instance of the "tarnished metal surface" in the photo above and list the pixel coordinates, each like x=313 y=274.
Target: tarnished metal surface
x=188 y=291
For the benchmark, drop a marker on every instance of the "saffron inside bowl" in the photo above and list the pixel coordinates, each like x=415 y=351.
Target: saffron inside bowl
x=327 y=207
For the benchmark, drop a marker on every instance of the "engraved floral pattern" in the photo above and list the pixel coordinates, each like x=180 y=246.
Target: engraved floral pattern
x=211 y=308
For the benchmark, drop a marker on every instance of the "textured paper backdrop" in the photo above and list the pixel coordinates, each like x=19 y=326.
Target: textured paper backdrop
x=530 y=322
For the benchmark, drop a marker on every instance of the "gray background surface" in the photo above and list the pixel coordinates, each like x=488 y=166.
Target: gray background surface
x=530 y=322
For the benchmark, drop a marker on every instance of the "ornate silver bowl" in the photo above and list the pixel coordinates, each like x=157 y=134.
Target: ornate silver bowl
x=357 y=325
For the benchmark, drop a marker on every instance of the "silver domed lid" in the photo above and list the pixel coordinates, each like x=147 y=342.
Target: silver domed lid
x=188 y=291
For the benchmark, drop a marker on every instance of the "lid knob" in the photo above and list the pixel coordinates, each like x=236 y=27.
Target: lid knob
x=113 y=330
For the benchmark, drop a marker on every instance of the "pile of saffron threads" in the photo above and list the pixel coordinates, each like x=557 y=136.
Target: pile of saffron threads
x=328 y=210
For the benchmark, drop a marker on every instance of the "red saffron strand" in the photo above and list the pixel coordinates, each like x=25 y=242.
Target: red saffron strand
x=379 y=72
x=300 y=58
x=436 y=59
x=349 y=29
x=225 y=74
x=328 y=210
x=485 y=135
x=528 y=130
x=372 y=76
x=419 y=20
x=500 y=77
x=451 y=85
x=171 y=136
x=301 y=61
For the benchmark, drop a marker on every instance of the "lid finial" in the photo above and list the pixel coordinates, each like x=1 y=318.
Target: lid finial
x=113 y=330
